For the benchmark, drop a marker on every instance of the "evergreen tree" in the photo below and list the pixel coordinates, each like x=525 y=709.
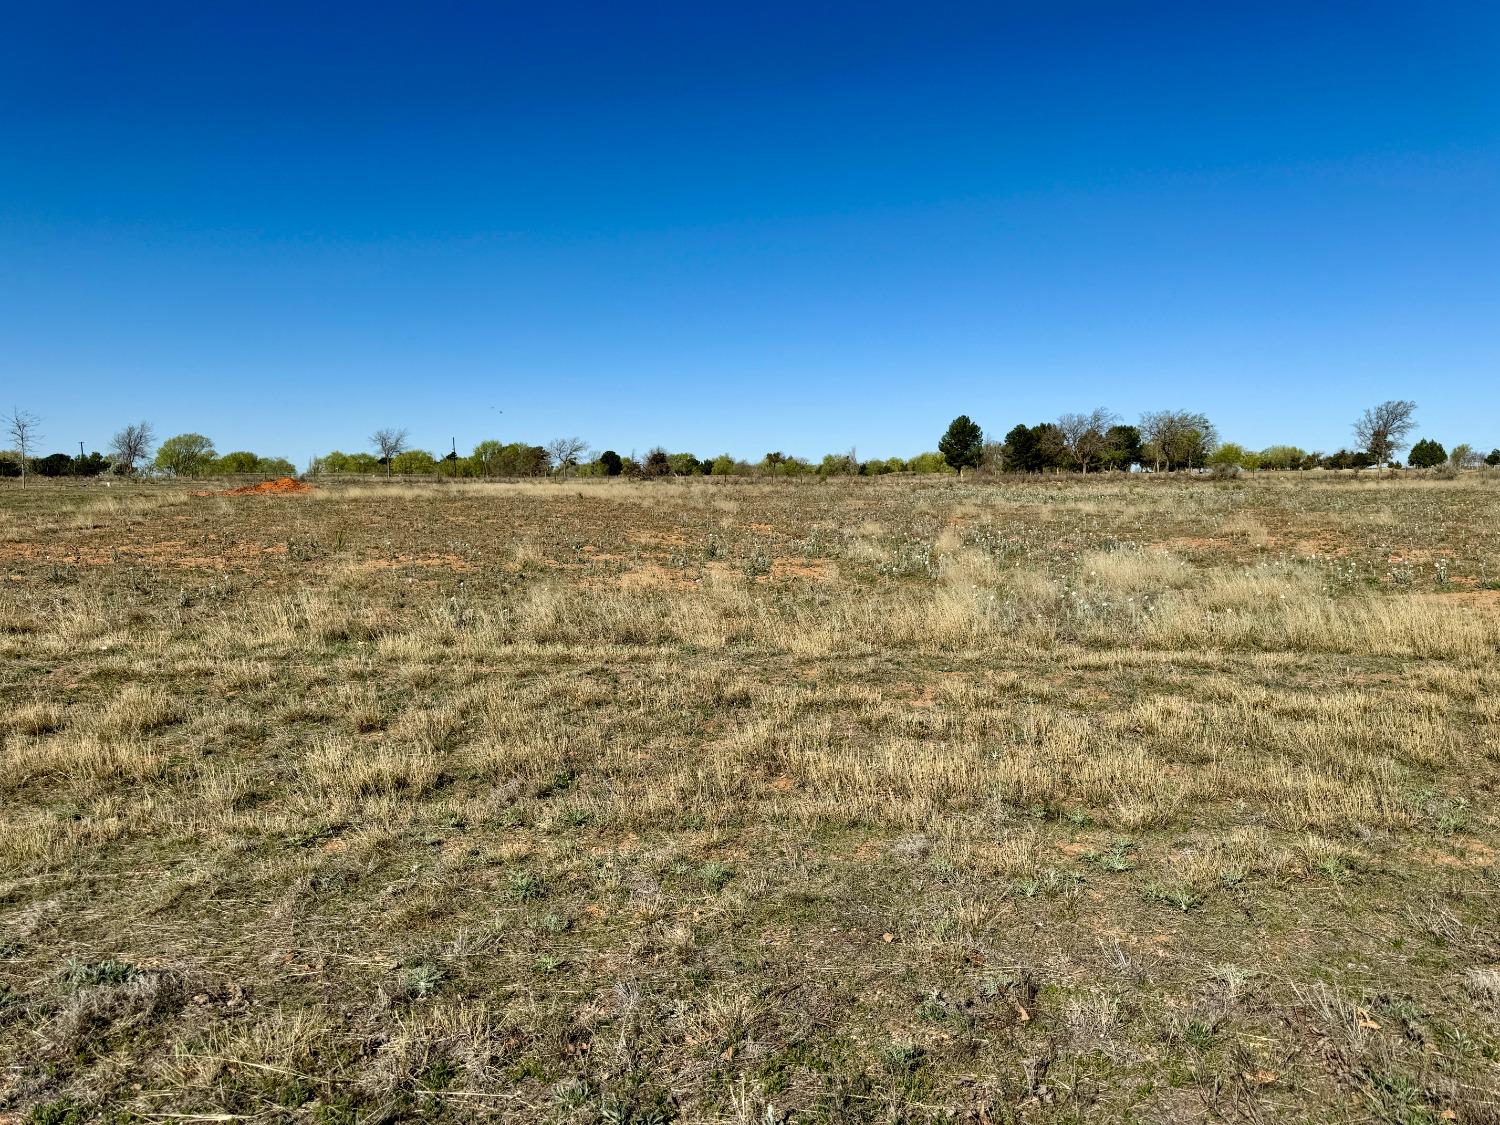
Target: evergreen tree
x=657 y=464
x=1020 y=450
x=1049 y=447
x=963 y=445
x=1426 y=454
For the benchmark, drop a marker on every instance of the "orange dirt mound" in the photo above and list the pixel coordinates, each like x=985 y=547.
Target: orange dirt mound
x=280 y=484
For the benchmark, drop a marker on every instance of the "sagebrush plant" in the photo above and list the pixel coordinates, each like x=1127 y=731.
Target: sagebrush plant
x=732 y=800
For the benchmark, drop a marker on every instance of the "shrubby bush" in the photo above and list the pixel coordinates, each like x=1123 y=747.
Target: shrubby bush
x=726 y=466
x=414 y=462
x=684 y=465
x=928 y=463
x=1282 y=457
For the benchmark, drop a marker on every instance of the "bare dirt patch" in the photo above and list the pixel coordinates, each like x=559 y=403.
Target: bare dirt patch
x=422 y=562
x=812 y=570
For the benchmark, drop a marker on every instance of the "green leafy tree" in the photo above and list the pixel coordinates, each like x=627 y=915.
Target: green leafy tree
x=486 y=456
x=778 y=464
x=1493 y=457
x=240 y=461
x=243 y=461
x=1462 y=456
x=337 y=462
x=963 y=445
x=1177 y=439
x=1230 y=453
x=521 y=460
x=1034 y=449
x=683 y=464
x=91 y=466
x=1426 y=454
x=186 y=455
x=413 y=462
x=1122 y=447
x=1348 y=459
x=839 y=465
x=933 y=462
x=1282 y=457
x=610 y=461
x=1228 y=459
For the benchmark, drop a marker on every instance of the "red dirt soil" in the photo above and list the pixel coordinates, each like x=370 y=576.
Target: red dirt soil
x=279 y=485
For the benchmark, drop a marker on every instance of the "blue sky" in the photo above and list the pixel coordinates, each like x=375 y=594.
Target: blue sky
x=745 y=227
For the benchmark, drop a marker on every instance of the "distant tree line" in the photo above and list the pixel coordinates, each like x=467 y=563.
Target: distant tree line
x=60 y=465
x=1173 y=440
x=1098 y=441
x=1162 y=440
x=132 y=452
x=571 y=457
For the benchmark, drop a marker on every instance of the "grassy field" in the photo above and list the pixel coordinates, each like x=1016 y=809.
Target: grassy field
x=880 y=800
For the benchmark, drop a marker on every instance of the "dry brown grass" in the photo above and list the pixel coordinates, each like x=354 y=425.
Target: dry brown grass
x=598 y=801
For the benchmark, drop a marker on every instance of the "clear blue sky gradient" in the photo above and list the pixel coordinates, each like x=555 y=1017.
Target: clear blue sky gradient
x=745 y=227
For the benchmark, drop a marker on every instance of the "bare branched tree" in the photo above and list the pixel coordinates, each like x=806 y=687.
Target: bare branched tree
x=391 y=443
x=1381 y=430
x=566 y=452
x=21 y=426
x=1176 y=439
x=1084 y=434
x=130 y=447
